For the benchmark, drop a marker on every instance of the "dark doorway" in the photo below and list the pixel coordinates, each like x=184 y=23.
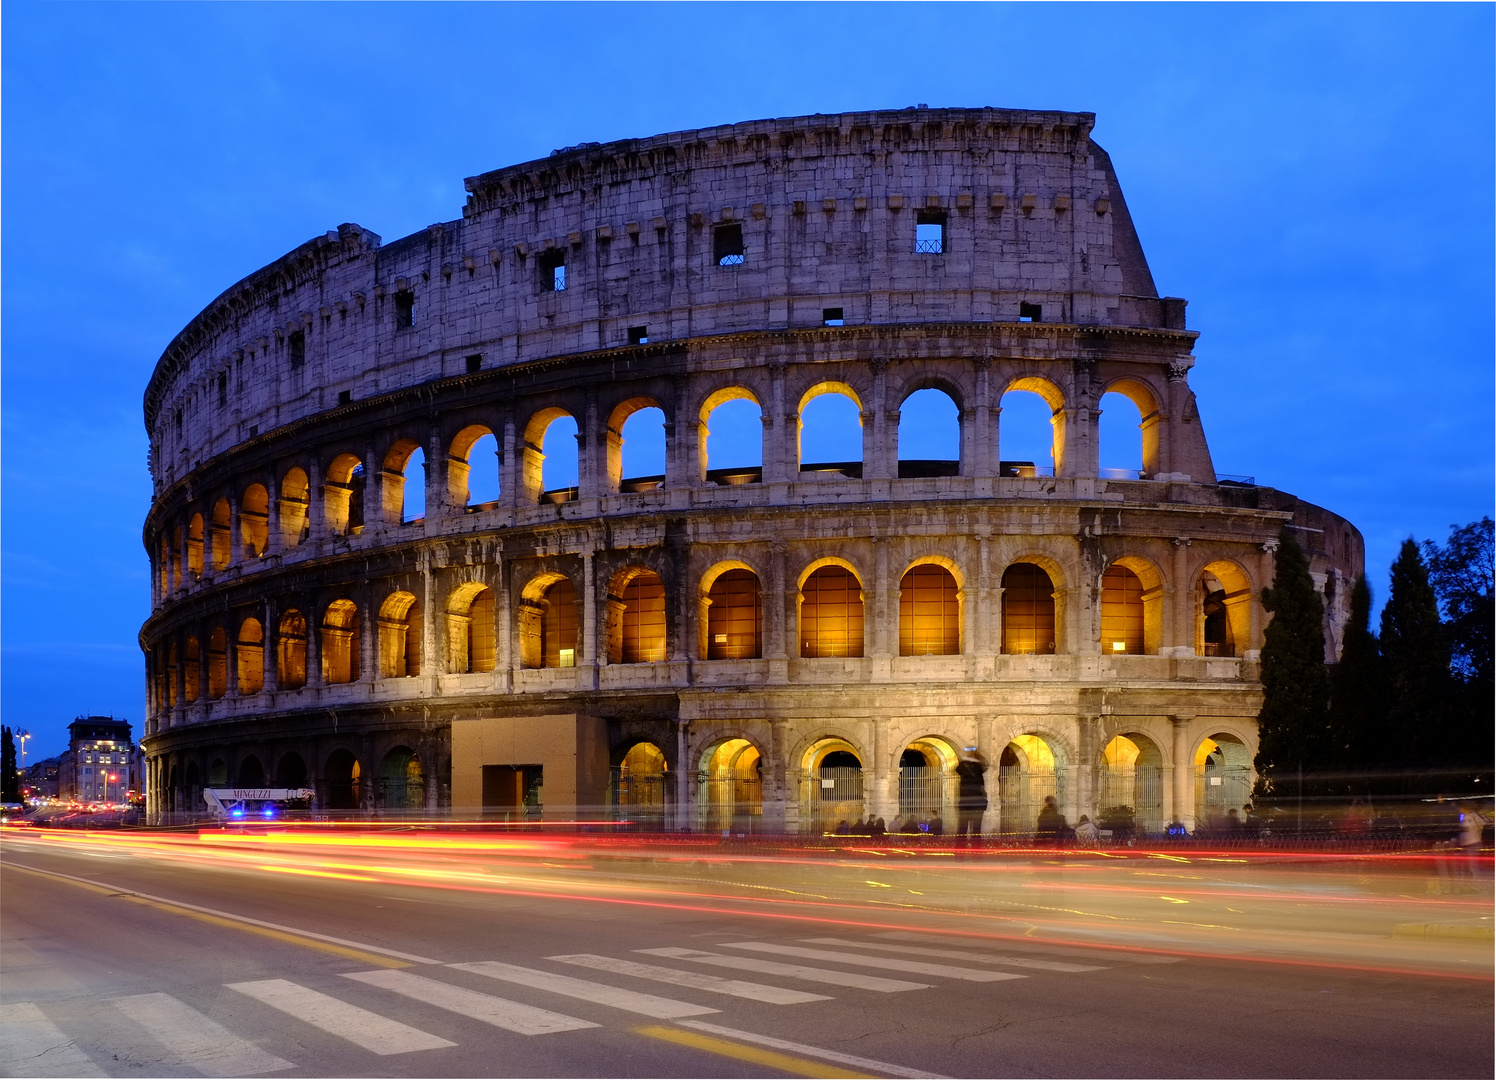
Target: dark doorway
x=512 y=791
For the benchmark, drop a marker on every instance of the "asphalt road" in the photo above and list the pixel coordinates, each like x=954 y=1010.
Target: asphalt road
x=405 y=955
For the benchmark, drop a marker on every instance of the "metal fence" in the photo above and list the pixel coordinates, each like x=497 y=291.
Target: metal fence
x=639 y=798
x=829 y=797
x=922 y=793
x=729 y=805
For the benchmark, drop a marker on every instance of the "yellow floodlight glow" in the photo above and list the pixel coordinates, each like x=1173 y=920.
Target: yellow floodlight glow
x=1119 y=646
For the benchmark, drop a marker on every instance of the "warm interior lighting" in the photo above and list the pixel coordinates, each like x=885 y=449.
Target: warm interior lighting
x=1119 y=646
x=567 y=658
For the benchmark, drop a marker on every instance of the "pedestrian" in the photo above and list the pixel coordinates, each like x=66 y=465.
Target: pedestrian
x=971 y=794
x=936 y=826
x=879 y=829
x=911 y=825
x=1472 y=831
x=898 y=824
x=1087 y=835
x=1051 y=823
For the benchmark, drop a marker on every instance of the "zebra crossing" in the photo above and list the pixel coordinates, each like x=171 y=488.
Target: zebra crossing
x=32 y=1043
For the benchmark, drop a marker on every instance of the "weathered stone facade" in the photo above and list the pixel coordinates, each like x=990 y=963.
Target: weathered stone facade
x=414 y=664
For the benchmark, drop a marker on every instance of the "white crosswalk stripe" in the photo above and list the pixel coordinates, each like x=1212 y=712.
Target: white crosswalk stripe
x=1075 y=952
x=375 y=1033
x=34 y=1046
x=885 y=963
x=195 y=1040
x=973 y=955
x=509 y=1015
x=629 y=1000
x=713 y=984
x=854 y=979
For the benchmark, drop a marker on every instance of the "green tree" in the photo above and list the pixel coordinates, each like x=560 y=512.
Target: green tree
x=1461 y=573
x=10 y=781
x=1295 y=687
x=1416 y=660
x=1356 y=694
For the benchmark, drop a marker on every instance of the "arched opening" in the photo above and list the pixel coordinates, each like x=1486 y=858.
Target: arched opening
x=341 y=786
x=192 y=676
x=640 y=787
x=400 y=636
x=831 y=613
x=1119 y=437
x=413 y=505
x=173 y=666
x=832 y=801
x=221 y=541
x=290 y=651
x=403 y=487
x=1223 y=780
x=556 y=625
x=1130 y=795
x=174 y=557
x=473 y=469
x=218 y=663
x=195 y=546
x=732 y=775
x=471 y=633
x=830 y=431
x=639 y=446
x=343 y=496
x=291 y=771
x=1131 y=608
x=636 y=618
x=249 y=656
x=1223 y=610
x=929 y=434
x=1031 y=428
x=731 y=438
x=294 y=495
x=193 y=785
x=251 y=772
x=1028 y=611
x=925 y=776
x=929 y=612
x=402 y=785
x=560 y=460
x=176 y=797
x=1128 y=431
x=254 y=521
x=734 y=617
x=340 y=643
x=218 y=773
x=1027 y=775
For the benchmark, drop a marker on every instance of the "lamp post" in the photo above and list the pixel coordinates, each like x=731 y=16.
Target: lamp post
x=23 y=736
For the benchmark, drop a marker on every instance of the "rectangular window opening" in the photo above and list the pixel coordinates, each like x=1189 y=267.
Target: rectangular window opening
x=474 y=364
x=405 y=310
x=832 y=316
x=345 y=397
x=638 y=335
x=223 y=390
x=929 y=233
x=1030 y=313
x=298 y=350
x=727 y=245
x=552 y=271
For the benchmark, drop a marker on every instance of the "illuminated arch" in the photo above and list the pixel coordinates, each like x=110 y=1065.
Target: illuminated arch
x=393 y=494
x=1131 y=606
x=290 y=651
x=254 y=520
x=731 y=473
x=613 y=434
x=932 y=607
x=399 y=636
x=459 y=465
x=471 y=641
x=637 y=617
x=249 y=656
x=1223 y=609
x=295 y=490
x=549 y=622
x=343 y=495
x=830 y=610
x=341 y=640
x=730 y=601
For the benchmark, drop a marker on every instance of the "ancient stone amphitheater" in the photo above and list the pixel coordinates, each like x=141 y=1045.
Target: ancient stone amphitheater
x=401 y=553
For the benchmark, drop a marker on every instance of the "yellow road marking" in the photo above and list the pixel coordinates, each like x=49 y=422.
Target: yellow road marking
x=232 y=923
x=754 y=1055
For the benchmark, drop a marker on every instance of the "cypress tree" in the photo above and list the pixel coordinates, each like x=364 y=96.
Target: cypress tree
x=1295 y=686
x=1463 y=575
x=1356 y=694
x=10 y=783
x=1416 y=656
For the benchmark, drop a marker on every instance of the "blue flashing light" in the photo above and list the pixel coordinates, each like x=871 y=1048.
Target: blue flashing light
x=236 y=812
x=269 y=811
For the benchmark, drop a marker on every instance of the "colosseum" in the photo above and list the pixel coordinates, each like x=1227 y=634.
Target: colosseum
x=523 y=516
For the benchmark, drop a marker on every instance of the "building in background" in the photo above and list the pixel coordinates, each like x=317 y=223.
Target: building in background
x=101 y=764
x=42 y=777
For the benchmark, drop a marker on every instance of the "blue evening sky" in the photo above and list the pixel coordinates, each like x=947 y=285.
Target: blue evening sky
x=1316 y=180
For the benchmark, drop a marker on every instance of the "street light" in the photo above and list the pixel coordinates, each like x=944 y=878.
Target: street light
x=23 y=736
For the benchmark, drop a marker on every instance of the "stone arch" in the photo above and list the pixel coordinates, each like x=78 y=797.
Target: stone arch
x=290 y=651
x=549 y=621
x=341 y=638
x=291 y=771
x=295 y=491
x=341 y=787
x=192 y=659
x=829 y=609
x=639 y=788
x=730 y=785
x=1025 y=615
x=460 y=462
x=195 y=546
x=932 y=607
x=220 y=544
x=471 y=630
x=832 y=794
x=399 y=636
x=251 y=772
x=830 y=387
x=729 y=472
x=927 y=444
x=731 y=618
x=1130 y=785
x=1223 y=775
x=1131 y=607
x=1054 y=399
x=1223 y=609
x=249 y=656
x=343 y=495
x=614 y=438
x=254 y=520
x=926 y=770
x=402 y=781
x=192 y=784
x=398 y=495
x=637 y=624
x=218 y=663
x=1150 y=418
x=1032 y=768
x=532 y=457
